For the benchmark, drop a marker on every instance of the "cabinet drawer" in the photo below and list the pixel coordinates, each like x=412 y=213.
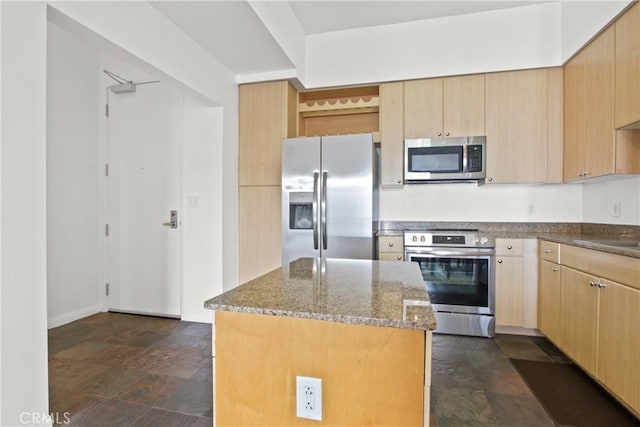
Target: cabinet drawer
x=550 y=251
x=390 y=256
x=390 y=244
x=619 y=268
x=508 y=247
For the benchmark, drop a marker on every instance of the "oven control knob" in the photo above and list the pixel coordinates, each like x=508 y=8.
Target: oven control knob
x=475 y=240
x=484 y=240
x=414 y=238
x=422 y=238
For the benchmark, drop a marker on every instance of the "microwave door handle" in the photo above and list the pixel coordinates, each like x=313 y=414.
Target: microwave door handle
x=323 y=210
x=464 y=158
x=314 y=209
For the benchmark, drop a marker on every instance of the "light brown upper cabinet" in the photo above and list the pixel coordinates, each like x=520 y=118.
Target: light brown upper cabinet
x=627 y=68
x=524 y=126
x=592 y=146
x=451 y=106
x=391 y=116
x=267 y=114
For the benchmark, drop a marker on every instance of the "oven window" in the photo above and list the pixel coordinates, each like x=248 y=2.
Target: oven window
x=456 y=281
x=436 y=159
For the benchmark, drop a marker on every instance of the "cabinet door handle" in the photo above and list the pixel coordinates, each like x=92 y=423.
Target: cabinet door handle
x=547 y=251
x=490 y=179
x=390 y=244
x=499 y=261
x=601 y=285
x=446 y=134
x=399 y=257
x=555 y=269
x=509 y=247
x=592 y=283
x=439 y=133
x=399 y=181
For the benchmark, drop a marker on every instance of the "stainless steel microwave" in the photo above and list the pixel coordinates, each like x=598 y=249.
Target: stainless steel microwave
x=438 y=160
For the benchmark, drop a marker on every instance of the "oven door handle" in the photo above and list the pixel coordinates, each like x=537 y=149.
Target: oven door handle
x=444 y=252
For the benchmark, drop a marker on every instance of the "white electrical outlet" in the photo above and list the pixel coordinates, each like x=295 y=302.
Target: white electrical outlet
x=615 y=208
x=309 y=398
x=531 y=209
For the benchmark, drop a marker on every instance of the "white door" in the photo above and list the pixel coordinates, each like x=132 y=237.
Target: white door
x=144 y=133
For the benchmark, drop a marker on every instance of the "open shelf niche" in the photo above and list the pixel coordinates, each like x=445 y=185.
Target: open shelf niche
x=339 y=111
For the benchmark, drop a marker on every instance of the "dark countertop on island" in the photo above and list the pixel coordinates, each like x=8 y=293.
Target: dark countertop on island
x=365 y=292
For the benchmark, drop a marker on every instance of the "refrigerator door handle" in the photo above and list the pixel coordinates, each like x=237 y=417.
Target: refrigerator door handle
x=323 y=210
x=314 y=209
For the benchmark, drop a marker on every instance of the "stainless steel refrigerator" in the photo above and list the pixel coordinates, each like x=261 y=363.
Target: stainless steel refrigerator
x=329 y=197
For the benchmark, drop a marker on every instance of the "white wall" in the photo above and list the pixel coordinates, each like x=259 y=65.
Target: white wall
x=23 y=262
x=203 y=230
x=515 y=38
x=582 y=20
x=492 y=203
x=599 y=198
x=73 y=231
x=145 y=33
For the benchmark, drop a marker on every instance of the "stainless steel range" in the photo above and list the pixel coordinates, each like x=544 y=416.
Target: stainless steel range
x=458 y=271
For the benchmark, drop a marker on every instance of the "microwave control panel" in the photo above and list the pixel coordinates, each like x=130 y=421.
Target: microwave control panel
x=474 y=158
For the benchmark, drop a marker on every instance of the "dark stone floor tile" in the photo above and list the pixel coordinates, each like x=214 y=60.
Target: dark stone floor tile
x=114 y=354
x=202 y=422
x=149 y=390
x=204 y=374
x=135 y=337
x=179 y=342
x=504 y=381
x=488 y=359
x=443 y=340
x=453 y=422
x=461 y=404
x=161 y=418
x=58 y=344
x=519 y=410
x=112 y=413
x=189 y=397
x=110 y=382
x=452 y=354
x=521 y=348
x=198 y=329
x=69 y=374
x=448 y=374
x=68 y=405
x=81 y=351
x=159 y=362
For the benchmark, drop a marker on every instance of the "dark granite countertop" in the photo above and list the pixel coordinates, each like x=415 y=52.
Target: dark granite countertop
x=575 y=234
x=366 y=292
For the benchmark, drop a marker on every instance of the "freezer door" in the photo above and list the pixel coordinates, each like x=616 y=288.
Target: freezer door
x=347 y=168
x=300 y=196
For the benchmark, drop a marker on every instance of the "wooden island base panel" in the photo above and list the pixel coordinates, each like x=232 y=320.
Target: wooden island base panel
x=363 y=327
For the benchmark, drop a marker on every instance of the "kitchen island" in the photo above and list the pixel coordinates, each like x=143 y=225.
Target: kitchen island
x=363 y=327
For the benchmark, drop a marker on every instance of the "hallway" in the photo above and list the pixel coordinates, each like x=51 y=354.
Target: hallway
x=117 y=369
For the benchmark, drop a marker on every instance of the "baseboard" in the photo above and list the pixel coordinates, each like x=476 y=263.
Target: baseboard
x=63 y=319
x=515 y=330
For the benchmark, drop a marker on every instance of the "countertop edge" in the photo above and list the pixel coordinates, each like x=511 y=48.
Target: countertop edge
x=354 y=320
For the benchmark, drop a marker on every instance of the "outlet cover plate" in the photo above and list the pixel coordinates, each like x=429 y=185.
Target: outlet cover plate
x=309 y=398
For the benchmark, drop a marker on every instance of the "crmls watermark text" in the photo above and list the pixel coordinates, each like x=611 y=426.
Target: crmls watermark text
x=39 y=418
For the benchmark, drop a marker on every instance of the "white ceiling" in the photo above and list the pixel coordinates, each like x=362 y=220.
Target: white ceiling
x=233 y=33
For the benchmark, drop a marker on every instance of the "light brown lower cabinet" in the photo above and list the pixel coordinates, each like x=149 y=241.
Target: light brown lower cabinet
x=596 y=319
x=579 y=317
x=549 y=300
x=619 y=341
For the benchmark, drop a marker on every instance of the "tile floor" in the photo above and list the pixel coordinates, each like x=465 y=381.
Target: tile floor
x=474 y=384
x=124 y=370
